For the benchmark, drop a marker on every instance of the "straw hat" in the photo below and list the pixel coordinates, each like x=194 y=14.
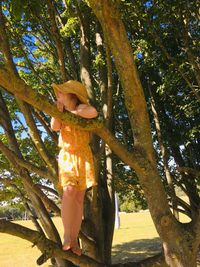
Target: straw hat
x=72 y=87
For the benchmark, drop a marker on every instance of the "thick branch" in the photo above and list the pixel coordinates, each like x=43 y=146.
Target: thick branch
x=114 y=30
x=51 y=249
x=5 y=122
x=19 y=88
x=4 y=44
x=46 y=246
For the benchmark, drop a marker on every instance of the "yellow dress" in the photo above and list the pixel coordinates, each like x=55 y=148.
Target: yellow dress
x=75 y=161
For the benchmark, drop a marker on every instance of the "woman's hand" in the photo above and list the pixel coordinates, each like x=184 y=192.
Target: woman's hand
x=85 y=111
x=56 y=123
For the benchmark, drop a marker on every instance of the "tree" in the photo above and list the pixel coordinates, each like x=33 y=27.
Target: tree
x=180 y=241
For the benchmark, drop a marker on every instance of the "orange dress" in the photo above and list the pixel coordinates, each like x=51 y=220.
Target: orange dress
x=75 y=161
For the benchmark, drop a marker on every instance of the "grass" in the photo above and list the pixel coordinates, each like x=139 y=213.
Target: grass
x=136 y=239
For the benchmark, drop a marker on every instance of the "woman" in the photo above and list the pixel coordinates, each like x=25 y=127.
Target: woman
x=75 y=162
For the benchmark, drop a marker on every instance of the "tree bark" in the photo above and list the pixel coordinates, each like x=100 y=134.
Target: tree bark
x=56 y=37
x=109 y=198
x=48 y=247
x=85 y=61
x=166 y=225
x=168 y=176
x=36 y=138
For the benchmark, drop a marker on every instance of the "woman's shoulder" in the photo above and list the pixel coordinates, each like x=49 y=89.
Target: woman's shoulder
x=66 y=127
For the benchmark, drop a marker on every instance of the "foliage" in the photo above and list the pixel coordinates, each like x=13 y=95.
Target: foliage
x=12 y=212
x=130 y=203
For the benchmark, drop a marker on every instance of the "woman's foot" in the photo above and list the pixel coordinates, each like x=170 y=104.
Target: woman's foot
x=66 y=244
x=66 y=247
x=76 y=250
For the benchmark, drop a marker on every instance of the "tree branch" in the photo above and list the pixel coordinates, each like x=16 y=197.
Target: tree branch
x=51 y=249
x=18 y=87
x=36 y=138
x=43 y=120
x=48 y=189
x=67 y=44
x=85 y=59
x=30 y=211
x=16 y=160
x=115 y=33
x=46 y=246
x=56 y=37
x=170 y=58
x=4 y=44
x=186 y=38
x=189 y=170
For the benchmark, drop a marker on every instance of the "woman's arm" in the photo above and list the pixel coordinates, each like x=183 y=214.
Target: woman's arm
x=85 y=111
x=56 y=123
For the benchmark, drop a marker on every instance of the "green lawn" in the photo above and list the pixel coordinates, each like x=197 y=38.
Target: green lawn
x=135 y=240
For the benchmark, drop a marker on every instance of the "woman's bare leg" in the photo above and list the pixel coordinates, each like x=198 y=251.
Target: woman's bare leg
x=79 y=199
x=67 y=213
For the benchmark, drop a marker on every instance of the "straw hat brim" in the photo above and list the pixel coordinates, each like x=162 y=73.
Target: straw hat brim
x=72 y=87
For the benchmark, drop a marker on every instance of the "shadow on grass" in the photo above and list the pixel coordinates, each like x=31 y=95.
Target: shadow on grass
x=136 y=250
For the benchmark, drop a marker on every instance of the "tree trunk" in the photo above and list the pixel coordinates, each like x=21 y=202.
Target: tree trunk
x=178 y=250
x=168 y=176
x=108 y=205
